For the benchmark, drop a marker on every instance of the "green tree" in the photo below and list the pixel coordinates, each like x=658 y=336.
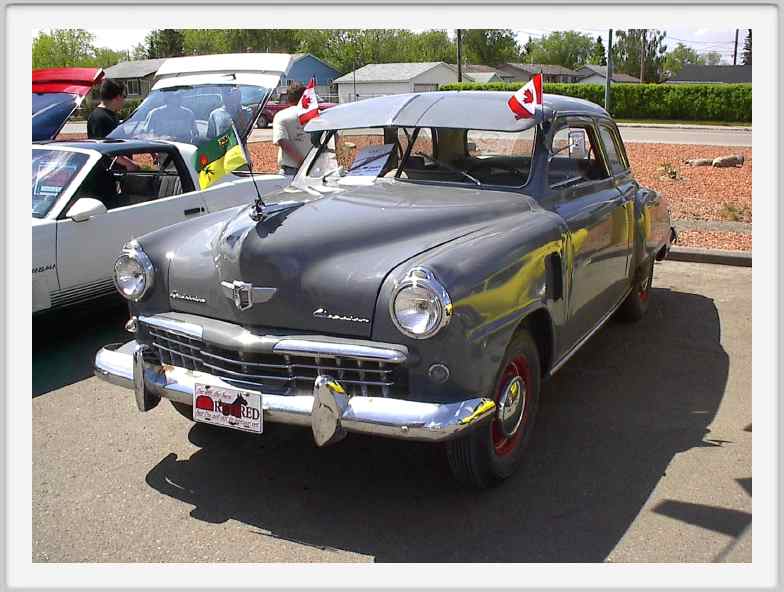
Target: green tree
x=163 y=43
x=626 y=53
x=63 y=47
x=105 y=57
x=679 y=56
x=599 y=55
x=204 y=41
x=712 y=58
x=569 y=49
x=747 y=49
x=490 y=46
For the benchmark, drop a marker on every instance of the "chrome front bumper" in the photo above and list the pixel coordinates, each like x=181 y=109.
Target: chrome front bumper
x=329 y=411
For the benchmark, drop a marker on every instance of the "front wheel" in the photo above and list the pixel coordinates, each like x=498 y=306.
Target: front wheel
x=262 y=122
x=636 y=304
x=492 y=453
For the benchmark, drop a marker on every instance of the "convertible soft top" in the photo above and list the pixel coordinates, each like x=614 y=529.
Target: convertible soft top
x=480 y=110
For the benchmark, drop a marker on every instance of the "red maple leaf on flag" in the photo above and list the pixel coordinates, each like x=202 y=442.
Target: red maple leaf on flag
x=528 y=96
x=305 y=101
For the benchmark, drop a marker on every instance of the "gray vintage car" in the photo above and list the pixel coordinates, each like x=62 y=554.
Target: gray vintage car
x=432 y=262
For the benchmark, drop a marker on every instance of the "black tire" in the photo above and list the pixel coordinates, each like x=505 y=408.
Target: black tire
x=183 y=409
x=486 y=456
x=636 y=304
x=261 y=122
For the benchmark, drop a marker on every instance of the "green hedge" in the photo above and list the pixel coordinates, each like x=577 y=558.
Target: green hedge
x=698 y=102
x=128 y=108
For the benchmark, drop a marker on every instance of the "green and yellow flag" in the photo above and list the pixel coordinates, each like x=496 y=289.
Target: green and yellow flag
x=219 y=157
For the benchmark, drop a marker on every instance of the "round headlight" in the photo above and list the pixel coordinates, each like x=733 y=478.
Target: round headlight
x=133 y=272
x=420 y=305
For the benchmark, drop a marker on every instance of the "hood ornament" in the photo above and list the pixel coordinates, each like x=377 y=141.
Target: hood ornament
x=245 y=295
x=261 y=211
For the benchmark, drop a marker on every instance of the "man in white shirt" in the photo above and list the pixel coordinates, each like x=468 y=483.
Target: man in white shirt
x=289 y=135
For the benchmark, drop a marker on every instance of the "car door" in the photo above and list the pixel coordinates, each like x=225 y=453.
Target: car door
x=596 y=215
x=137 y=202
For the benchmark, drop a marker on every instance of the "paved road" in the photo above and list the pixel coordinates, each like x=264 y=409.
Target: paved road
x=642 y=452
x=660 y=134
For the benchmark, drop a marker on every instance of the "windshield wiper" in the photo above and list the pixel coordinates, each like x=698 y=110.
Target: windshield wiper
x=449 y=167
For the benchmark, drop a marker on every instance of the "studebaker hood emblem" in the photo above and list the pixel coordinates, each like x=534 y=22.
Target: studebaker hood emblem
x=245 y=295
x=322 y=313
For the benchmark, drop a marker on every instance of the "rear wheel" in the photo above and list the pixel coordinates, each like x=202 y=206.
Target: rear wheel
x=262 y=122
x=636 y=304
x=492 y=453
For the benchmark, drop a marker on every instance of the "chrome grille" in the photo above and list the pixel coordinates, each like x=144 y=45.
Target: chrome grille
x=277 y=373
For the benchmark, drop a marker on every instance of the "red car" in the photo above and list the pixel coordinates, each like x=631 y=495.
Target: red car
x=57 y=92
x=272 y=107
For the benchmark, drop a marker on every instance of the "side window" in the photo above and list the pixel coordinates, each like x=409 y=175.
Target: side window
x=131 y=179
x=615 y=158
x=574 y=158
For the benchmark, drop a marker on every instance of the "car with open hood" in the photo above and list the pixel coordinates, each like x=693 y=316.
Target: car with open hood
x=57 y=93
x=436 y=258
x=90 y=197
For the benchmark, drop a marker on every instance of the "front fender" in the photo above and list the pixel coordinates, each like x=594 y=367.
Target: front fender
x=495 y=279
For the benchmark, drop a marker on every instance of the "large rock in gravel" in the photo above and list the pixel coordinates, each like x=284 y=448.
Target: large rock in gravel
x=699 y=161
x=733 y=160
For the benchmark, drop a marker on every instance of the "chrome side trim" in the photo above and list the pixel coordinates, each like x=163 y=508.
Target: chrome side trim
x=181 y=327
x=378 y=416
x=565 y=358
x=299 y=347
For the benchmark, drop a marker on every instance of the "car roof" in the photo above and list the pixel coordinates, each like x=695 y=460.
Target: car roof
x=110 y=146
x=486 y=110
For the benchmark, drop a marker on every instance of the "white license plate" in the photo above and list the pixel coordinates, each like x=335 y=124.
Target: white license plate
x=228 y=407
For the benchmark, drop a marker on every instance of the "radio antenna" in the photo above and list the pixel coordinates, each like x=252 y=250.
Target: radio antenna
x=257 y=212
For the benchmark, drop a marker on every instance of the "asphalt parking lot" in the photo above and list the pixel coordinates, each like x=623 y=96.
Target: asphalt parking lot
x=641 y=453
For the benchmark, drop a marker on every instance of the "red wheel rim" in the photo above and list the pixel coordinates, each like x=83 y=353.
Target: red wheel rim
x=644 y=288
x=516 y=369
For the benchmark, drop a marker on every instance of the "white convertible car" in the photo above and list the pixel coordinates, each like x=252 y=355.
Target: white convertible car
x=88 y=199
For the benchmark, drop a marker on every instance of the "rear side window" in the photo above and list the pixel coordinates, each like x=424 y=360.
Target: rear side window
x=615 y=158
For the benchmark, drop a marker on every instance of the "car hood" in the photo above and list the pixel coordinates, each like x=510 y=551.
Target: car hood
x=330 y=254
x=57 y=92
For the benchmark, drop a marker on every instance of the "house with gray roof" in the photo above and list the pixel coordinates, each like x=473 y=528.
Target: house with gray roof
x=693 y=73
x=136 y=75
x=374 y=80
x=596 y=74
x=514 y=72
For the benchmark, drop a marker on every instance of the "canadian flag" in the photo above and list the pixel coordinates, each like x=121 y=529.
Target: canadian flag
x=307 y=108
x=525 y=101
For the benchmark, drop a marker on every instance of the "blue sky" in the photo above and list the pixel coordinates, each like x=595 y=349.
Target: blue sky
x=700 y=39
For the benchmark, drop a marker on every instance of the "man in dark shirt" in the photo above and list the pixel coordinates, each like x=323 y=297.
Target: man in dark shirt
x=104 y=117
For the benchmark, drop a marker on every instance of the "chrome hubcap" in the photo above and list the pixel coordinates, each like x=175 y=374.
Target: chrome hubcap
x=510 y=407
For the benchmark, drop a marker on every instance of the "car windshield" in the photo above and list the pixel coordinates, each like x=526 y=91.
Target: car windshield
x=446 y=155
x=53 y=172
x=193 y=114
x=50 y=110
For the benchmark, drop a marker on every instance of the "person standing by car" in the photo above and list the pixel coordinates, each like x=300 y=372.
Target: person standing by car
x=289 y=135
x=104 y=117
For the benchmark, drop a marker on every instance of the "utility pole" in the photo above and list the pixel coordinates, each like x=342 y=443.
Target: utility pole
x=460 y=55
x=642 y=54
x=735 y=53
x=609 y=73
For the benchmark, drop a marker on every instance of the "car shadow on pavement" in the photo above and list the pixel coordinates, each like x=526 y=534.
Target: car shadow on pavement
x=65 y=341
x=610 y=423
